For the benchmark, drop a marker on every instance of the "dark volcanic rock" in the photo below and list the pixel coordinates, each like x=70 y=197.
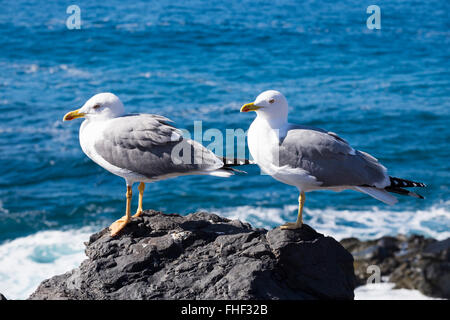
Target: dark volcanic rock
x=204 y=256
x=412 y=262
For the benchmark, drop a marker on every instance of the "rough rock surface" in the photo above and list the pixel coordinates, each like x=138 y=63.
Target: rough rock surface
x=204 y=256
x=413 y=262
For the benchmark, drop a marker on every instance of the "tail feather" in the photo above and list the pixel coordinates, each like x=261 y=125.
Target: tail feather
x=378 y=194
x=217 y=173
x=223 y=172
x=232 y=170
x=227 y=169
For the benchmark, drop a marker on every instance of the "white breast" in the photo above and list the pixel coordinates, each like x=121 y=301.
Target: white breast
x=263 y=144
x=90 y=132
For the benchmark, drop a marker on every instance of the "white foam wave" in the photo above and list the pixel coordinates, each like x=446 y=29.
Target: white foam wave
x=26 y=261
x=3 y=210
x=73 y=71
x=256 y=216
x=34 y=68
x=363 y=224
x=386 y=291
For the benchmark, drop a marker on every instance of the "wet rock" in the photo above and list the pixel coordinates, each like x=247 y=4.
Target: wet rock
x=413 y=262
x=205 y=256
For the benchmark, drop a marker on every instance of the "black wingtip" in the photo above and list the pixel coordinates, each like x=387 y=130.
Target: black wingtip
x=403 y=183
x=415 y=195
x=234 y=170
x=404 y=192
x=234 y=162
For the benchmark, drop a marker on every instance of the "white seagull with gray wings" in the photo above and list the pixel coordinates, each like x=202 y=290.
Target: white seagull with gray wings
x=139 y=147
x=314 y=159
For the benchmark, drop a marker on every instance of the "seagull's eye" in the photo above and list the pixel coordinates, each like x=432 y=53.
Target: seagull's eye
x=96 y=106
x=272 y=100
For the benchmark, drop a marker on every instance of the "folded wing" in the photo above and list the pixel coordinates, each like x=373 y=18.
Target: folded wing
x=330 y=159
x=149 y=145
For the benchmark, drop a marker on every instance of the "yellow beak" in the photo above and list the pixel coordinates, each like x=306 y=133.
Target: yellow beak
x=249 y=107
x=73 y=115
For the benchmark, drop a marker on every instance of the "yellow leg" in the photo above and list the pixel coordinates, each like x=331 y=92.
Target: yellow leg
x=118 y=225
x=299 y=223
x=141 y=189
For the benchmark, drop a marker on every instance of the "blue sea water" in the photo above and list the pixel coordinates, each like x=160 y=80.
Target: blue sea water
x=385 y=91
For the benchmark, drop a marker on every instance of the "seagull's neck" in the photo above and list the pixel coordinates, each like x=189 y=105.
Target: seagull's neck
x=274 y=123
x=94 y=121
x=103 y=117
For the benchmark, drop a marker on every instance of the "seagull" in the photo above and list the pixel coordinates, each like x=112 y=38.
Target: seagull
x=314 y=159
x=139 y=148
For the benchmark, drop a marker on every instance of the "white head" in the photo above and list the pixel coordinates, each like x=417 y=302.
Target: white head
x=270 y=105
x=100 y=107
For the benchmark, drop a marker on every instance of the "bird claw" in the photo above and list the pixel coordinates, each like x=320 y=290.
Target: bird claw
x=118 y=225
x=291 y=226
x=138 y=213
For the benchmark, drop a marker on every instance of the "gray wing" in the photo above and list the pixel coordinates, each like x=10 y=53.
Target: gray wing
x=147 y=144
x=330 y=158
